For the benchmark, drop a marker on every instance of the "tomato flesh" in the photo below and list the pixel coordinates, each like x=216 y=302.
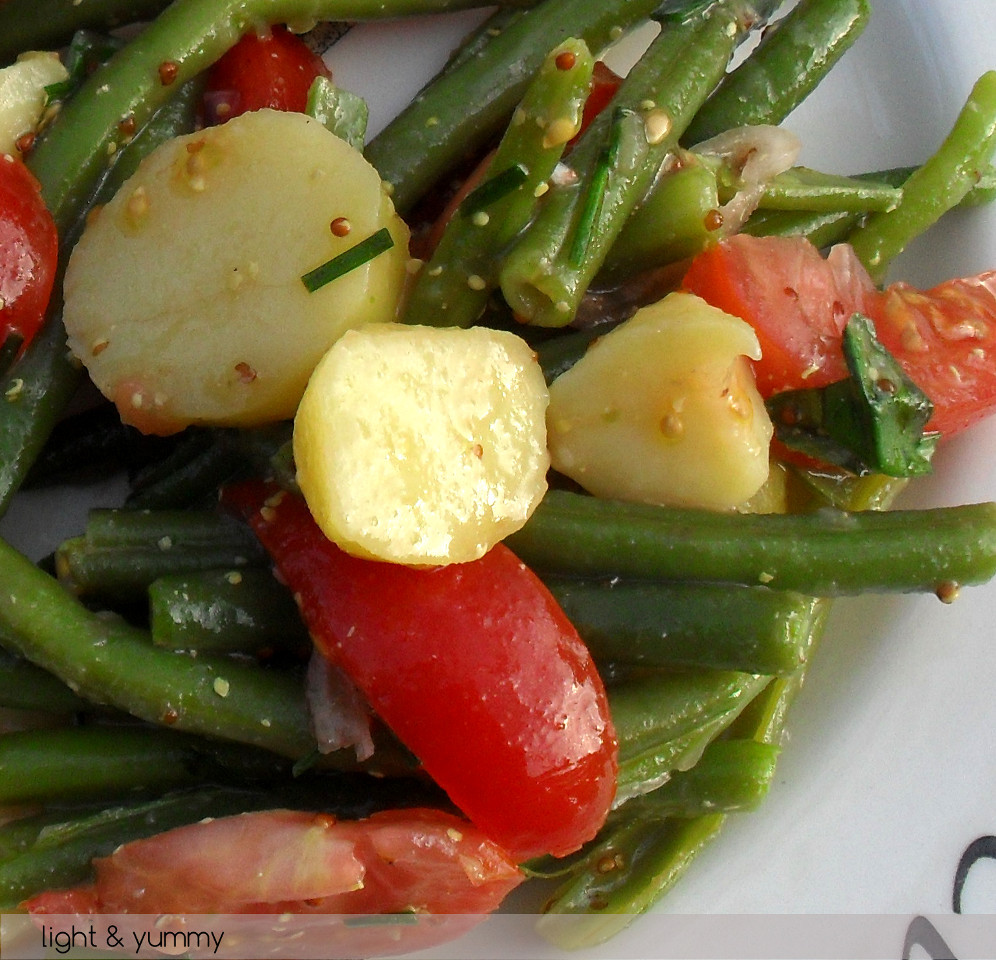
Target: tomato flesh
x=475 y=668
x=420 y=861
x=272 y=69
x=29 y=250
x=799 y=302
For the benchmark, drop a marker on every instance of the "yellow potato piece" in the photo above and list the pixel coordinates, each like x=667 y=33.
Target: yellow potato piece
x=423 y=445
x=22 y=94
x=664 y=410
x=184 y=296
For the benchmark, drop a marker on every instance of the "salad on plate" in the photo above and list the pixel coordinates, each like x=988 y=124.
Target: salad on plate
x=464 y=492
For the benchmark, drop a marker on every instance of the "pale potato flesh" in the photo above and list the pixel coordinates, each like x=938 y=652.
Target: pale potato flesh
x=423 y=445
x=184 y=296
x=22 y=95
x=664 y=410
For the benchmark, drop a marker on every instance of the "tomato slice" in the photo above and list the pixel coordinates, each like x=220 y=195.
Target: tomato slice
x=799 y=302
x=421 y=862
x=274 y=68
x=474 y=666
x=29 y=250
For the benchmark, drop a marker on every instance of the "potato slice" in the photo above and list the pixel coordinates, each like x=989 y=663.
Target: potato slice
x=423 y=445
x=22 y=94
x=664 y=410
x=184 y=296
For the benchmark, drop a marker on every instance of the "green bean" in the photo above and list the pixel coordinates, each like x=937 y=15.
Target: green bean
x=453 y=287
x=244 y=611
x=23 y=686
x=123 y=551
x=83 y=763
x=802 y=188
x=50 y=24
x=794 y=55
x=731 y=776
x=674 y=221
x=940 y=184
x=724 y=627
x=630 y=870
x=822 y=229
x=90 y=444
x=109 y=662
x=823 y=553
x=549 y=269
x=461 y=111
x=664 y=720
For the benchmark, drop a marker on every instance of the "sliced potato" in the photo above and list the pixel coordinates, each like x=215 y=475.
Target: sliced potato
x=664 y=410
x=22 y=94
x=184 y=296
x=423 y=445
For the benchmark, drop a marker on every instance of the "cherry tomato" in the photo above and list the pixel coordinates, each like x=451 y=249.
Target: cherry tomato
x=604 y=84
x=273 y=69
x=475 y=668
x=29 y=250
x=799 y=302
x=422 y=861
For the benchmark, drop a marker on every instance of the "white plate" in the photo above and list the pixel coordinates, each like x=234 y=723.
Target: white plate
x=889 y=772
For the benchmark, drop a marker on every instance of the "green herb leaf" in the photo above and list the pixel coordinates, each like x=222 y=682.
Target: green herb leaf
x=494 y=189
x=872 y=422
x=363 y=252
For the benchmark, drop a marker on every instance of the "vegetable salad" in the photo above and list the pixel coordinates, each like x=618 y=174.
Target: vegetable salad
x=555 y=499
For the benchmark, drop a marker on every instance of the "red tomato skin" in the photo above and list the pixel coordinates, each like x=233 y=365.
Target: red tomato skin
x=424 y=861
x=274 y=69
x=798 y=303
x=29 y=250
x=474 y=666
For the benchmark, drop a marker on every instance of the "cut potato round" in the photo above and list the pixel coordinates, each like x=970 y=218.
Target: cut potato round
x=184 y=296
x=664 y=410
x=423 y=445
x=22 y=94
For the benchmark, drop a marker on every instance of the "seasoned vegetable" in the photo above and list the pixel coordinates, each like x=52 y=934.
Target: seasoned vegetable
x=474 y=667
x=221 y=329
x=23 y=98
x=423 y=445
x=799 y=302
x=663 y=409
x=286 y=861
x=28 y=251
x=269 y=67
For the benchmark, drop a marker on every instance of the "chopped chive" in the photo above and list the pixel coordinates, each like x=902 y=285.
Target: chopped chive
x=363 y=252
x=493 y=190
x=591 y=207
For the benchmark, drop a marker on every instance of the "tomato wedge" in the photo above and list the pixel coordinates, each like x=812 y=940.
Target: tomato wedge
x=475 y=668
x=420 y=862
x=273 y=68
x=29 y=250
x=798 y=303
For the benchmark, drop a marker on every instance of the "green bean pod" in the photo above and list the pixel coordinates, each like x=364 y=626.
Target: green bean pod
x=823 y=553
x=548 y=270
x=50 y=24
x=936 y=187
x=720 y=626
x=226 y=611
x=462 y=110
x=793 y=56
x=665 y=721
x=453 y=286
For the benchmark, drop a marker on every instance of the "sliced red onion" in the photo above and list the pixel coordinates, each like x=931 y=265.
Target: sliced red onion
x=340 y=715
x=756 y=154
